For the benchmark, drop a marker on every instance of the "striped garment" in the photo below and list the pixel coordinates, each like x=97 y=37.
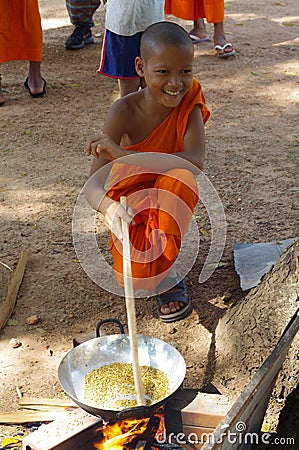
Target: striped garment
x=82 y=11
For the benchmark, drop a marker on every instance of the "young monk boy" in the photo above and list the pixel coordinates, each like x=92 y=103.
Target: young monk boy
x=141 y=130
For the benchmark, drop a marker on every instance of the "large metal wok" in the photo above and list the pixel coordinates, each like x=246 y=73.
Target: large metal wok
x=100 y=351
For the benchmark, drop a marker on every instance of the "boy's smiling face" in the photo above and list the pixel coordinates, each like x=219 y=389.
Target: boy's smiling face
x=168 y=73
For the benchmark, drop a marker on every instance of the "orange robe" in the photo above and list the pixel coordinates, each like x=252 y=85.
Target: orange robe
x=212 y=10
x=163 y=203
x=20 y=31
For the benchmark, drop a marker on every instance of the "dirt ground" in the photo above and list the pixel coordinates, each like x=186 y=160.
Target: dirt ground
x=252 y=161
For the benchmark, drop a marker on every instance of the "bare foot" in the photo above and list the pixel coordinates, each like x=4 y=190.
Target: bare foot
x=174 y=304
x=199 y=29
x=225 y=50
x=172 y=307
x=35 y=84
x=220 y=40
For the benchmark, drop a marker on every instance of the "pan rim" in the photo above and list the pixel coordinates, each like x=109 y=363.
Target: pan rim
x=115 y=338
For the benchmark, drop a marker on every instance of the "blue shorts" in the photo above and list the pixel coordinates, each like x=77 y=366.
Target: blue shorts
x=118 y=55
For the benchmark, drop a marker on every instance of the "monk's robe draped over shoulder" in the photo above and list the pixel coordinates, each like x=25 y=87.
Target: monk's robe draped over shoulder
x=163 y=204
x=20 y=31
x=212 y=10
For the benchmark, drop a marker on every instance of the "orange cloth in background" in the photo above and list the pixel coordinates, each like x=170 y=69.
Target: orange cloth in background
x=20 y=31
x=146 y=194
x=212 y=10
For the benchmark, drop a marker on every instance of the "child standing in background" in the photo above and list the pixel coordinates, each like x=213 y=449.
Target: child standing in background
x=124 y=24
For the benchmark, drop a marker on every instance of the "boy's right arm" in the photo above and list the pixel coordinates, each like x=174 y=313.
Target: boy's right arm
x=95 y=193
x=94 y=189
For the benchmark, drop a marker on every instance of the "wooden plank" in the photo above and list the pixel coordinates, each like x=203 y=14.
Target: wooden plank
x=199 y=408
x=47 y=408
x=56 y=402
x=206 y=410
x=69 y=432
x=14 y=283
x=17 y=417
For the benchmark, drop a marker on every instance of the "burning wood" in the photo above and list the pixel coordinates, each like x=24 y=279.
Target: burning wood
x=131 y=434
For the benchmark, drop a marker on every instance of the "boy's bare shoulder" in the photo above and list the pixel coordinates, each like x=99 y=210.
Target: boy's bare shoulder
x=126 y=105
x=125 y=115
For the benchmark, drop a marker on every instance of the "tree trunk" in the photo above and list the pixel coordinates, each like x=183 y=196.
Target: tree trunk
x=249 y=331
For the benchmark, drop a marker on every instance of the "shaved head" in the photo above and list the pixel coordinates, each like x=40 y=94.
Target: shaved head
x=163 y=33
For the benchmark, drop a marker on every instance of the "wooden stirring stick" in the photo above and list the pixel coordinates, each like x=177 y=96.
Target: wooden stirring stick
x=130 y=306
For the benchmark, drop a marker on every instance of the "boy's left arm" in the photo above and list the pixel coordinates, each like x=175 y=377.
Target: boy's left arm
x=194 y=139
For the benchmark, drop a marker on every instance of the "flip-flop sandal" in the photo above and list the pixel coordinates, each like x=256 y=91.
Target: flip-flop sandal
x=224 y=54
x=175 y=296
x=2 y=102
x=40 y=94
x=196 y=39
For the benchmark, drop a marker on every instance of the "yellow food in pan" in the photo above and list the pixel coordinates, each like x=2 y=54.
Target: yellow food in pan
x=112 y=386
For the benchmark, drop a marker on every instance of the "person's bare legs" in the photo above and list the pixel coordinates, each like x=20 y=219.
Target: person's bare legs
x=35 y=81
x=220 y=39
x=199 y=29
x=126 y=86
x=2 y=99
x=172 y=306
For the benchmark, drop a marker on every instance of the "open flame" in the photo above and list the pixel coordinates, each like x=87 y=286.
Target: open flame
x=124 y=434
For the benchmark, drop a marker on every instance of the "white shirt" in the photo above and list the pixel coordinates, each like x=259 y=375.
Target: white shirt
x=127 y=17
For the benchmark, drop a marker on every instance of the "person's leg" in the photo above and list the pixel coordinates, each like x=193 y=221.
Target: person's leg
x=199 y=29
x=81 y=16
x=172 y=305
x=220 y=42
x=165 y=211
x=126 y=86
x=162 y=213
x=175 y=214
x=82 y=11
x=2 y=99
x=35 y=83
x=118 y=60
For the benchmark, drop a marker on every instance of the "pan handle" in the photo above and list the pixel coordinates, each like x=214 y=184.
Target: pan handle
x=135 y=412
x=120 y=325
